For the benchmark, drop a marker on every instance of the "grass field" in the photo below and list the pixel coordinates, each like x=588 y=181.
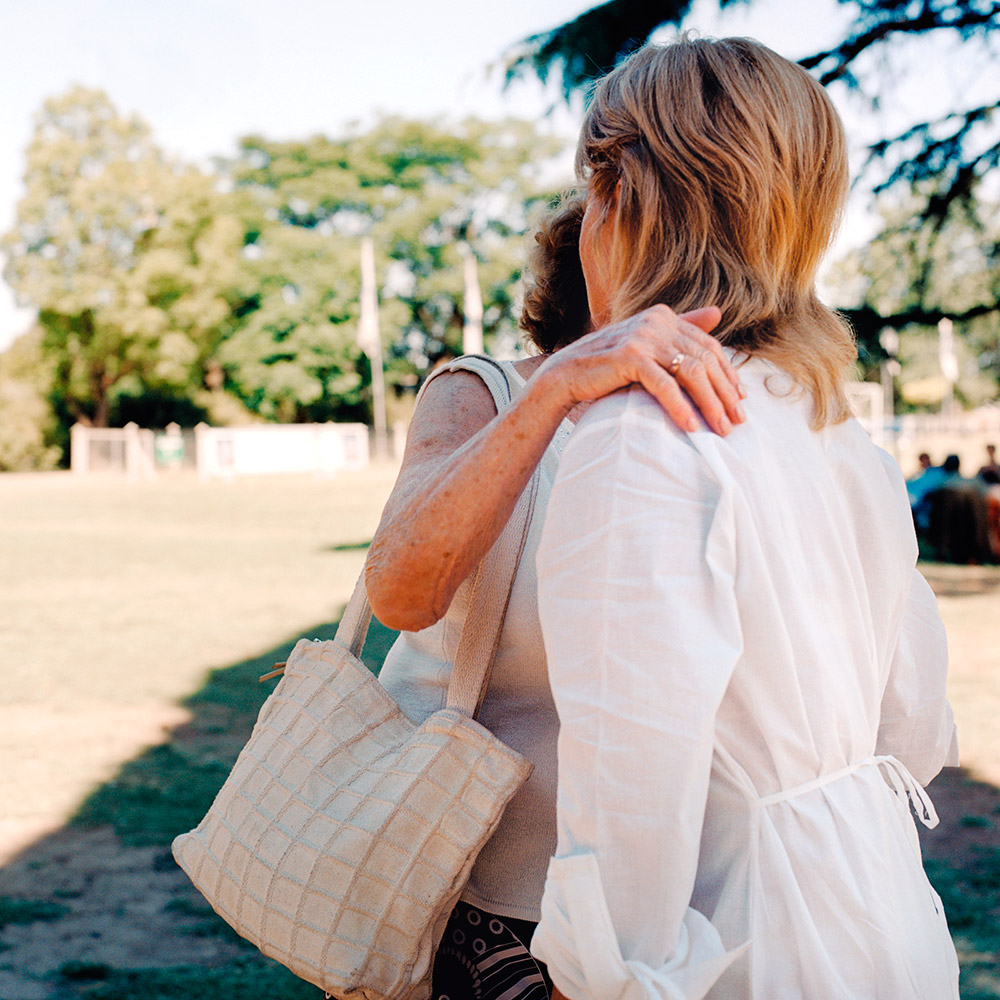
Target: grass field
x=116 y=598
x=134 y=620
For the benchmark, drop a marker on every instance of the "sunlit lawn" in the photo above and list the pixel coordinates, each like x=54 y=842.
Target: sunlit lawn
x=116 y=597
x=119 y=599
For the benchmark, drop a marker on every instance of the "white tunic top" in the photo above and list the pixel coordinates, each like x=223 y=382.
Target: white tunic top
x=750 y=679
x=509 y=873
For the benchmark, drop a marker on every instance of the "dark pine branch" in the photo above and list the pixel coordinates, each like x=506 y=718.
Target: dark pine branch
x=599 y=38
x=593 y=43
x=943 y=160
x=834 y=64
x=867 y=322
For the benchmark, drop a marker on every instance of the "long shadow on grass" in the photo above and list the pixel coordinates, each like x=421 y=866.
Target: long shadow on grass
x=962 y=860
x=130 y=821
x=167 y=789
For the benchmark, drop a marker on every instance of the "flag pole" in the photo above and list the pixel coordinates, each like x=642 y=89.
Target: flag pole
x=370 y=341
x=948 y=362
x=472 y=305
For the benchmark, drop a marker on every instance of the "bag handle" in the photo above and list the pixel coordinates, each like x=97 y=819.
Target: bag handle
x=492 y=584
x=477 y=647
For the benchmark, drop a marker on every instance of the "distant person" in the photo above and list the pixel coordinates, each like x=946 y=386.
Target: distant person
x=990 y=472
x=920 y=487
x=958 y=517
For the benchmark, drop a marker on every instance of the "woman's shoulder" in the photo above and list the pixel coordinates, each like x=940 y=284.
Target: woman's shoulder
x=479 y=372
x=631 y=419
x=452 y=405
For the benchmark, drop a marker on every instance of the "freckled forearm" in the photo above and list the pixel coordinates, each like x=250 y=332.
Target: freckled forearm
x=433 y=534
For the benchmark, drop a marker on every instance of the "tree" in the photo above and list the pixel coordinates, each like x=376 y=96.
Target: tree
x=940 y=165
x=420 y=190
x=911 y=276
x=292 y=354
x=167 y=293
x=128 y=257
x=28 y=434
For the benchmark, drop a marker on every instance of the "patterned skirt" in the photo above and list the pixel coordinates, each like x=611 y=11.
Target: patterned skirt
x=484 y=957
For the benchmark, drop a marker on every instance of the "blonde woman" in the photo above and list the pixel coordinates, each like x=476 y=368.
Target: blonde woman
x=749 y=671
x=464 y=468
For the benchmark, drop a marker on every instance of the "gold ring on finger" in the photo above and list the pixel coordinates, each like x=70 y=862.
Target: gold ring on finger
x=675 y=364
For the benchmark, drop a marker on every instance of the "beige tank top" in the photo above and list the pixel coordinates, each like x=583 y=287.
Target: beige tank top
x=509 y=875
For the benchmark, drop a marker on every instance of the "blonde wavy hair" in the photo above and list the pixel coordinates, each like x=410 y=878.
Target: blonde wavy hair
x=729 y=165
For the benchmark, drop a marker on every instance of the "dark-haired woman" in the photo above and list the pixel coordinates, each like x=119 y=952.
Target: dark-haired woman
x=465 y=466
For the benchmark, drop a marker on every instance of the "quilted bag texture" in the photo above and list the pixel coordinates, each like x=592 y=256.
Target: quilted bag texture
x=345 y=833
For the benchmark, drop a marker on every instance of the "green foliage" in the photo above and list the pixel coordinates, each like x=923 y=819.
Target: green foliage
x=913 y=274
x=28 y=911
x=420 y=190
x=292 y=355
x=166 y=293
x=944 y=159
x=28 y=434
x=129 y=257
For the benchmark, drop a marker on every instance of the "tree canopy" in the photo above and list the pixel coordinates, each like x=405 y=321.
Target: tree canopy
x=912 y=275
x=421 y=191
x=165 y=292
x=936 y=168
x=128 y=256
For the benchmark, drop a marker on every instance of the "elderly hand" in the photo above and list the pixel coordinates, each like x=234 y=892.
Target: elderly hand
x=663 y=352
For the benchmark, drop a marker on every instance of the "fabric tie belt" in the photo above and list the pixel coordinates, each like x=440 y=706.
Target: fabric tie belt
x=896 y=774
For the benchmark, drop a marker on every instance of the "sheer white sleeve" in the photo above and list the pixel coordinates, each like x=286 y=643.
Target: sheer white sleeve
x=916 y=723
x=636 y=596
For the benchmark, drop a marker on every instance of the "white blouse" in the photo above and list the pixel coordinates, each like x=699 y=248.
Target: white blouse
x=750 y=679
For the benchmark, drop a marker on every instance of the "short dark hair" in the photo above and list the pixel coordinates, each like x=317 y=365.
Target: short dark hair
x=555 y=311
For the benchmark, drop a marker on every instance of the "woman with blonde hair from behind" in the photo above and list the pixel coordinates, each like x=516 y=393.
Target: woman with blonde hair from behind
x=748 y=669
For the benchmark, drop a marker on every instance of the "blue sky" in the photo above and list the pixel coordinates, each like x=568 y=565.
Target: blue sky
x=204 y=72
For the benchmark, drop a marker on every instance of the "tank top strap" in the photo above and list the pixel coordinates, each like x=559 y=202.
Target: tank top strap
x=500 y=377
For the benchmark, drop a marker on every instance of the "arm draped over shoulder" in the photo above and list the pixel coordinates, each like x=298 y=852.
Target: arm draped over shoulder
x=642 y=633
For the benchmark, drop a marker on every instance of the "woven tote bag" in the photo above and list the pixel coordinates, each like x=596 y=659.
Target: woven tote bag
x=345 y=833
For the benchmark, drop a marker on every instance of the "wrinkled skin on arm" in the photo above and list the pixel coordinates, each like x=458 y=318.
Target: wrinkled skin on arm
x=466 y=465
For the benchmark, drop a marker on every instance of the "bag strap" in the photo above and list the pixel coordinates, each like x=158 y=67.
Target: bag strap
x=491 y=592
x=493 y=579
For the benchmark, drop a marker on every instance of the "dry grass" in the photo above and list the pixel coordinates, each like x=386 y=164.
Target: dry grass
x=119 y=601
x=117 y=598
x=969 y=601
